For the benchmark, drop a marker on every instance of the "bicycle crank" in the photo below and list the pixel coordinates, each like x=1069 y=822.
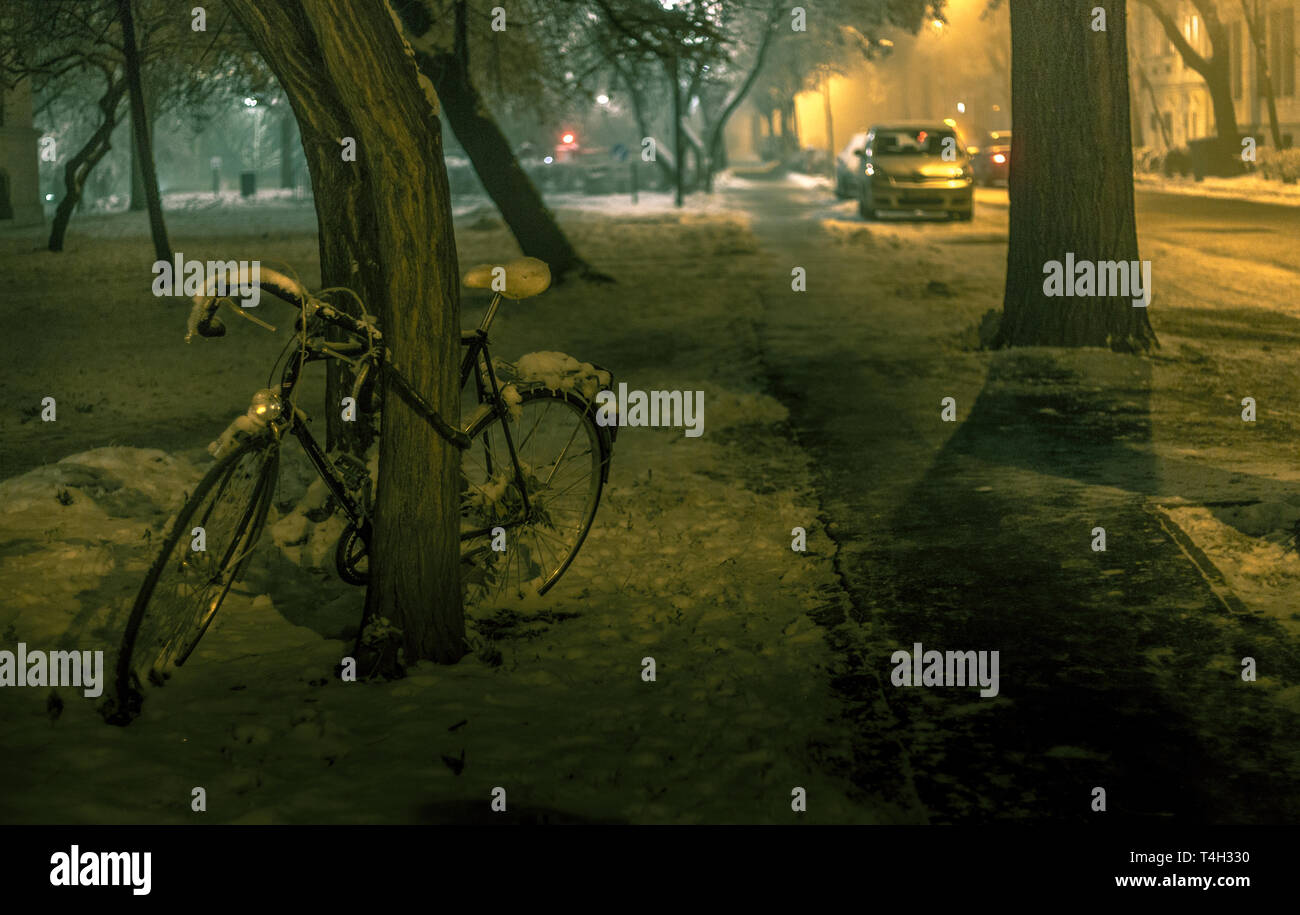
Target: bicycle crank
x=352 y=555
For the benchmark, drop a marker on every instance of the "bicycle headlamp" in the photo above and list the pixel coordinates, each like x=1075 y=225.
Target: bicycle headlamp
x=266 y=406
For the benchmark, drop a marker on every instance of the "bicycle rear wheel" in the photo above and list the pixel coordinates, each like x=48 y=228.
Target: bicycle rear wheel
x=560 y=469
x=185 y=587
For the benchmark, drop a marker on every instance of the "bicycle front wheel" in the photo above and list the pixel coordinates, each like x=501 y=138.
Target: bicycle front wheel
x=533 y=482
x=187 y=584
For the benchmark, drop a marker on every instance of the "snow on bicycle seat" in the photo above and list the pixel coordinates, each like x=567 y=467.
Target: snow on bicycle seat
x=524 y=277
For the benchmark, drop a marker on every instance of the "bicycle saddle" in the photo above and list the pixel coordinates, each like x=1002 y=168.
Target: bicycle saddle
x=524 y=277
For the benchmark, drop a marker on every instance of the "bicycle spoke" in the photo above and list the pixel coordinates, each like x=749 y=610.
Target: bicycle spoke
x=559 y=472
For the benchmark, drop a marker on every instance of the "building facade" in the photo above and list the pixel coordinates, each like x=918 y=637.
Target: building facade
x=1170 y=100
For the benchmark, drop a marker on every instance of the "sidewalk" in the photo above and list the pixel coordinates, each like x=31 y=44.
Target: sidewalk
x=1120 y=669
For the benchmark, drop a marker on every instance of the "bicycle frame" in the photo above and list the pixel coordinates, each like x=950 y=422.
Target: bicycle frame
x=477 y=360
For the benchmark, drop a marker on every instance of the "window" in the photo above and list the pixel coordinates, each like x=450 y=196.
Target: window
x=912 y=142
x=1281 y=51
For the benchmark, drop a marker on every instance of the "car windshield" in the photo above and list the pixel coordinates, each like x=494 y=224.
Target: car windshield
x=911 y=142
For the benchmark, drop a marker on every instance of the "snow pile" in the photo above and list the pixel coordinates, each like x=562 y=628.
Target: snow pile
x=76 y=538
x=1254 y=547
x=1243 y=187
x=728 y=408
x=103 y=483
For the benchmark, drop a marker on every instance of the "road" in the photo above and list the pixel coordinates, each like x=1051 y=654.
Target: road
x=1250 y=232
x=1117 y=667
x=1253 y=232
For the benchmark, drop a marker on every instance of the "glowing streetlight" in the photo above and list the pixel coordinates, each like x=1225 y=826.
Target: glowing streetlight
x=961 y=107
x=602 y=99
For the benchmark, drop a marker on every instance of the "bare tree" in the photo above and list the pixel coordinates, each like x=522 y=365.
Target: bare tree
x=1212 y=68
x=467 y=112
x=385 y=232
x=140 y=128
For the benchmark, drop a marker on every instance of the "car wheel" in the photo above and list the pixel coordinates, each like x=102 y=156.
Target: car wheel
x=840 y=193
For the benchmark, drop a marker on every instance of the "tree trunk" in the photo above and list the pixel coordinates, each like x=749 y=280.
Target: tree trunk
x=699 y=166
x=79 y=167
x=642 y=123
x=287 y=156
x=1225 y=117
x=1214 y=70
x=386 y=232
x=137 y=203
x=512 y=191
x=1071 y=185
x=1261 y=67
x=140 y=128
x=830 y=123
x=716 y=137
x=674 y=86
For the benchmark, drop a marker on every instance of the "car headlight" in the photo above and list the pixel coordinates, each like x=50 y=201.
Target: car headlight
x=871 y=169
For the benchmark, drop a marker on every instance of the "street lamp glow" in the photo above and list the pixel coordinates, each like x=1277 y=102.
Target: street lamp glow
x=567 y=138
x=961 y=107
x=548 y=160
x=602 y=100
x=250 y=102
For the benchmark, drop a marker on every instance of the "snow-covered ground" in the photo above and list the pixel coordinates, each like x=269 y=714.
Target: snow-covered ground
x=1242 y=187
x=689 y=562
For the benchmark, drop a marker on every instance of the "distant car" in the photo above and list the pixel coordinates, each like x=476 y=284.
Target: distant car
x=848 y=167
x=992 y=163
x=916 y=167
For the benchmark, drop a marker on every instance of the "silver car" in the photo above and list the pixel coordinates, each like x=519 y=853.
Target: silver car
x=916 y=167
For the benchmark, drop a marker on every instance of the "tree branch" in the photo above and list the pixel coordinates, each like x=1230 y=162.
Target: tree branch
x=1188 y=53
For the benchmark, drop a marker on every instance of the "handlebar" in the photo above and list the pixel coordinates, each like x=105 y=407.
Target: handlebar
x=203 y=319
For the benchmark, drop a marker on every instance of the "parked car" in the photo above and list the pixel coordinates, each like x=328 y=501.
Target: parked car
x=992 y=163
x=916 y=167
x=848 y=167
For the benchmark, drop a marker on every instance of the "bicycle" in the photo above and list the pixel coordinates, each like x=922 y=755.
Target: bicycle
x=533 y=468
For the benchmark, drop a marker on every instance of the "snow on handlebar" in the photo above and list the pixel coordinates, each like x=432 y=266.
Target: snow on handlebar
x=203 y=320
